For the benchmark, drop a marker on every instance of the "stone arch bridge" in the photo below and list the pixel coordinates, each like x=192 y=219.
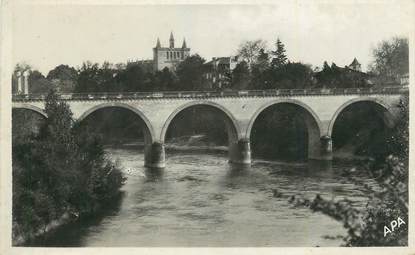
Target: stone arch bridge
x=318 y=107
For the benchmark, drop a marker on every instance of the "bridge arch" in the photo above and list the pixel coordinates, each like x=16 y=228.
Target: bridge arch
x=284 y=101
x=312 y=122
x=390 y=118
x=233 y=124
x=31 y=108
x=149 y=134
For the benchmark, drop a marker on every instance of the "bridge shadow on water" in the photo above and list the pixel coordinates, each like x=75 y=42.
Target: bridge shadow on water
x=153 y=174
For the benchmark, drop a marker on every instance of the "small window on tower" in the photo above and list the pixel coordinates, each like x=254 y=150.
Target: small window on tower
x=167 y=54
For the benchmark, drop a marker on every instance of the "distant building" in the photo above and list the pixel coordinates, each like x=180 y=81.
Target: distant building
x=355 y=65
x=170 y=56
x=218 y=71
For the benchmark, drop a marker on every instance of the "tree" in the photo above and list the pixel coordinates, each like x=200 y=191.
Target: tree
x=391 y=59
x=164 y=80
x=249 y=51
x=60 y=171
x=88 y=78
x=398 y=138
x=337 y=77
x=289 y=76
x=259 y=70
x=326 y=66
x=63 y=78
x=241 y=76
x=190 y=73
x=133 y=78
x=63 y=72
x=280 y=58
x=262 y=62
x=38 y=83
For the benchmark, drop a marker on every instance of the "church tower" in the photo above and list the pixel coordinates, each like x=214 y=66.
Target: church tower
x=171 y=40
x=170 y=56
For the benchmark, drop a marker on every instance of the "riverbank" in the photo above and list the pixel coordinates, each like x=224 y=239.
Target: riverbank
x=19 y=239
x=67 y=220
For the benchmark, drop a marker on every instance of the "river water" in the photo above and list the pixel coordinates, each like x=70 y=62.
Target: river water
x=201 y=200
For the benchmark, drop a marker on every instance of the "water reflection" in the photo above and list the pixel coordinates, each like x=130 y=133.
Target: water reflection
x=238 y=170
x=153 y=174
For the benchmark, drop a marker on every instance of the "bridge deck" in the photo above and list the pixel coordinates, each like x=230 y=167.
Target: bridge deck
x=210 y=94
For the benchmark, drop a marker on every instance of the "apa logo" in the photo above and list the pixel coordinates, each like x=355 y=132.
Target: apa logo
x=394 y=224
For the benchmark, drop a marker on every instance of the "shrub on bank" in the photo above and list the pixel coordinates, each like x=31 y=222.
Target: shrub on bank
x=62 y=170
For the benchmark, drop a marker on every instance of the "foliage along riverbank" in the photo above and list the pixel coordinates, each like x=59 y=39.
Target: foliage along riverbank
x=60 y=171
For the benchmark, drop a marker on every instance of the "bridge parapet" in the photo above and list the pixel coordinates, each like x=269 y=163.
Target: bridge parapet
x=216 y=94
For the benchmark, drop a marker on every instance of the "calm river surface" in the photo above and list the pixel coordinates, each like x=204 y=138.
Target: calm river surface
x=200 y=200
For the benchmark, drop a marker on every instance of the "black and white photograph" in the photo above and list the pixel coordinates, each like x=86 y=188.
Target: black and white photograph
x=206 y=125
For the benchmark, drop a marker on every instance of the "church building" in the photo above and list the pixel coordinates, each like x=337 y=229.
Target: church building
x=170 y=56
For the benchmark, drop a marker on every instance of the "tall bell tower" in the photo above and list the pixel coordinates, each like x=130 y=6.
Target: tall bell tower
x=171 y=40
x=170 y=56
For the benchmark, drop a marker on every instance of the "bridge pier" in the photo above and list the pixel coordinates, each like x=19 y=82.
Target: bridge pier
x=323 y=150
x=240 y=152
x=326 y=148
x=155 y=156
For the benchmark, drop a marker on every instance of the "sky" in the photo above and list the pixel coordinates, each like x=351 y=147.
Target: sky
x=48 y=35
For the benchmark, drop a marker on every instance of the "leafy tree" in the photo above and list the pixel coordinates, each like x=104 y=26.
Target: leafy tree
x=63 y=72
x=241 y=76
x=326 y=66
x=391 y=59
x=164 y=80
x=280 y=58
x=249 y=51
x=288 y=76
x=262 y=62
x=63 y=78
x=38 y=83
x=114 y=78
x=398 y=139
x=190 y=73
x=133 y=78
x=88 y=78
x=60 y=171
